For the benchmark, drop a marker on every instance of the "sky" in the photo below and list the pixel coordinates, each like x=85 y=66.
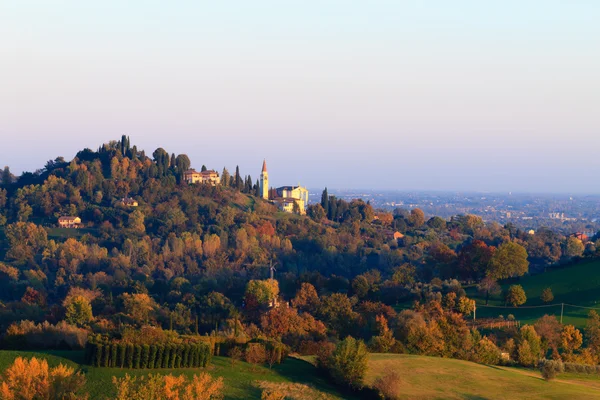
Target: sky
x=407 y=95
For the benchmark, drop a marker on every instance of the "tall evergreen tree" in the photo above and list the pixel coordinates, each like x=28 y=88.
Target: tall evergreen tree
x=203 y=168
x=257 y=189
x=325 y=200
x=238 y=178
x=225 y=177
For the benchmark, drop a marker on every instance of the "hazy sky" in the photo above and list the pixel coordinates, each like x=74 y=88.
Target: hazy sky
x=446 y=95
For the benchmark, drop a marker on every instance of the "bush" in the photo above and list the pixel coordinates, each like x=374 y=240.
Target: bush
x=255 y=353
x=29 y=335
x=348 y=362
x=32 y=379
x=551 y=368
x=389 y=386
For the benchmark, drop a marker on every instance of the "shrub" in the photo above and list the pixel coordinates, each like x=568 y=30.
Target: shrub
x=29 y=335
x=271 y=395
x=389 y=385
x=173 y=356
x=235 y=354
x=156 y=386
x=348 y=362
x=255 y=353
x=324 y=354
x=185 y=357
x=486 y=352
x=551 y=368
x=32 y=379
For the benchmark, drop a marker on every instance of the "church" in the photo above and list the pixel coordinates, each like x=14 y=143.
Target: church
x=292 y=199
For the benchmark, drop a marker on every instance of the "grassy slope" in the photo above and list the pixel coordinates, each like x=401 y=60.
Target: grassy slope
x=441 y=378
x=578 y=284
x=239 y=380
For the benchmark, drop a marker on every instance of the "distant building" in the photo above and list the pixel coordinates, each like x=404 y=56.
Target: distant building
x=581 y=236
x=287 y=198
x=531 y=232
x=210 y=177
x=69 y=222
x=128 y=202
x=264 y=182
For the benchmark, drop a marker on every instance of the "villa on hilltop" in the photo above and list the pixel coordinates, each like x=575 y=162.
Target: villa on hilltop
x=69 y=222
x=292 y=199
x=210 y=177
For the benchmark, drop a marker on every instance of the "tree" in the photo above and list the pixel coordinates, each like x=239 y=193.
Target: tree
x=316 y=212
x=508 y=261
x=488 y=285
x=306 y=298
x=516 y=295
x=156 y=387
x=348 y=363
x=417 y=217
x=592 y=331
x=360 y=286
x=547 y=295
x=138 y=306
x=571 y=339
x=78 y=311
x=325 y=200
x=32 y=379
x=182 y=163
x=261 y=292
x=575 y=247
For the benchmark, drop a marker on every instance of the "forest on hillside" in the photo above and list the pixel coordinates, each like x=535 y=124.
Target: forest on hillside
x=193 y=261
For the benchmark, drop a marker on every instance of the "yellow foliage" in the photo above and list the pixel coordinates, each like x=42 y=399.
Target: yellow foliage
x=169 y=387
x=32 y=379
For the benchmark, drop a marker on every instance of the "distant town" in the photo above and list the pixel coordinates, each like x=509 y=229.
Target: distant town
x=564 y=213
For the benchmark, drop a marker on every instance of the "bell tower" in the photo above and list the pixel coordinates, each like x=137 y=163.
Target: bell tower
x=264 y=181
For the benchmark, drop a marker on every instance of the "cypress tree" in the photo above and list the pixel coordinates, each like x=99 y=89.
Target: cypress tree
x=98 y=355
x=238 y=178
x=145 y=357
x=152 y=358
x=122 y=355
x=325 y=200
x=113 y=355
x=166 y=356
x=130 y=354
x=137 y=356
x=160 y=353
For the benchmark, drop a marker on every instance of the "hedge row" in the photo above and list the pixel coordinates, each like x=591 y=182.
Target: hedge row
x=145 y=356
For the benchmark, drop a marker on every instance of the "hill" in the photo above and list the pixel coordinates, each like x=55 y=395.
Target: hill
x=241 y=380
x=442 y=378
x=577 y=285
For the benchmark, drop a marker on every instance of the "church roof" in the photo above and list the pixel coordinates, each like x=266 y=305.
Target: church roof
x=264 y=169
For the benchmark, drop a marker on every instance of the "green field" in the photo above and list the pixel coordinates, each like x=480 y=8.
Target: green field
x=240 y=380
x=578 y=285
x=442 y=378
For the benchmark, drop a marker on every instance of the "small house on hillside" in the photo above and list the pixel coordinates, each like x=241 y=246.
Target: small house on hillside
x=69 y=222
x=129 y=202
x=395 y=235
x=581 y=236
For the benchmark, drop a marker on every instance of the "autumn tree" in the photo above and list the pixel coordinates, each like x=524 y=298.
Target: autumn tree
x=574 y=247
x=261 y=292
x=32 y=379
x=306 y=298
x=138 y=306
x=547 y=295
x=571 y=339
x=515 y=295
x=508 y=261
x=592 y=331
x=417 y=217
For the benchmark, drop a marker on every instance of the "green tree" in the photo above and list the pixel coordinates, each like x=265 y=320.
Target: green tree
x=78 y=311
x=325 y=200
x=508 y=261
x=592 y=331
x=348 y=362
x=417 y=217
x=516 y=295
x=261 y=292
